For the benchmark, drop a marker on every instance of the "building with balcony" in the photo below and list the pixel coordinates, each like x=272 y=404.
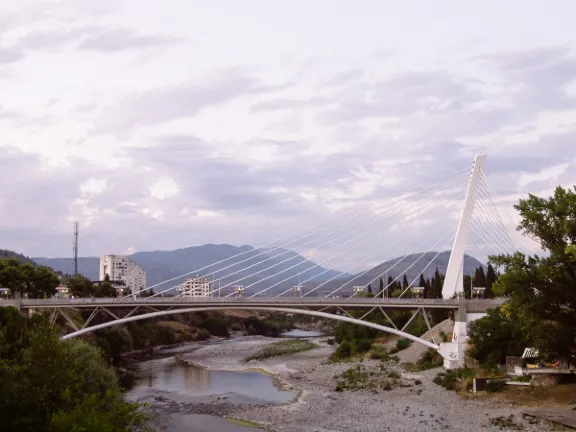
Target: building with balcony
x=195 y=287
x=125 y=275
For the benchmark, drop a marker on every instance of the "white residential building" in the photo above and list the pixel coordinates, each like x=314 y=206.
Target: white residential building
x=196 y=287
x=120 y=268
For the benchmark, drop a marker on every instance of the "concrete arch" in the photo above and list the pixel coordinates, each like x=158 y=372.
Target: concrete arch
x=266 y=309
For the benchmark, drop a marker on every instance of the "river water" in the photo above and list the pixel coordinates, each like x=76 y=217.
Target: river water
x=168 y=375
x=171 y=375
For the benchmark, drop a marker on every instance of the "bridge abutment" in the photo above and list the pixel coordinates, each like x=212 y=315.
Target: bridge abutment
x=454 y=353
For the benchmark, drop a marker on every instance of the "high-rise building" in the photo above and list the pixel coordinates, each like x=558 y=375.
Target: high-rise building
x=121 y=269
x=196 y=287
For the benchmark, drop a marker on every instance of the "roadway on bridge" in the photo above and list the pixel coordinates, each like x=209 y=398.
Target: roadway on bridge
x=247 y=303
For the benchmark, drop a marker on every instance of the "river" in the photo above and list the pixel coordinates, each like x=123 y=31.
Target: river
x=168 y=378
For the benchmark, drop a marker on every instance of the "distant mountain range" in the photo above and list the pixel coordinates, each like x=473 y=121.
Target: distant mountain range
x=164 y=265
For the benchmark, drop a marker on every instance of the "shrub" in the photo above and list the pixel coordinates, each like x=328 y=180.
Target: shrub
x=448 y=379
x=217 y=326
x=402 y=344
x=363 y=345
x=341 y=352
x=379 y=353
x=282 y=348
x=495 y=386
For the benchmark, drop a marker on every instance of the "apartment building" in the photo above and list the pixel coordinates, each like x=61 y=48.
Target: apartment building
x=196 y=287
x=121 y=269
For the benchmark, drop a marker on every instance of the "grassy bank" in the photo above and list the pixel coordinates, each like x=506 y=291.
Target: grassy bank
x=245 y=423
x=282 y=348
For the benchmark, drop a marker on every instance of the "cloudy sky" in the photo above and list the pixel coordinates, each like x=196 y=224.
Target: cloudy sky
x=161 y=125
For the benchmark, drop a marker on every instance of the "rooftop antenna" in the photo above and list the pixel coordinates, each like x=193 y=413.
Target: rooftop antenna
x=75 y=246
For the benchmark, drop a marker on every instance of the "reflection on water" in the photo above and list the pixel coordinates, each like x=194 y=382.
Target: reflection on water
x=170 y=374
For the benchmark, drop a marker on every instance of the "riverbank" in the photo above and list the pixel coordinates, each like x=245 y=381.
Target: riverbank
x=415 y=404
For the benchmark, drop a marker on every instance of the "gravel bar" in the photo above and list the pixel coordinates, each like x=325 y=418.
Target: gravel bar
x=319 y=408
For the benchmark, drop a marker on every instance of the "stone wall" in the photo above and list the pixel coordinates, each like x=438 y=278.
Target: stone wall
x=544 y=380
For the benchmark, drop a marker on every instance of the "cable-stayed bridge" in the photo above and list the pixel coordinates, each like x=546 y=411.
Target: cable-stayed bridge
x=457 y=213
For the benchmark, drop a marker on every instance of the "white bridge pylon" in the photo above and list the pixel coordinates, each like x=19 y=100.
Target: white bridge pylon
x=454 y=280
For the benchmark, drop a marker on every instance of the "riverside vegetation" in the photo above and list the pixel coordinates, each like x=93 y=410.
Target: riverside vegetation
x=281 y=348
x=56 y=386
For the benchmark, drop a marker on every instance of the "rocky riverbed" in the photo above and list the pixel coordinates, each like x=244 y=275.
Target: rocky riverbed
x=415 y=403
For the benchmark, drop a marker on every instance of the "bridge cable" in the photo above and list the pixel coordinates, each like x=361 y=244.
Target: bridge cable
x=342 y=261
x=403 y=216
x=258 y=250
x=439 y=242
x=424 y=270
x=385 y=271
x=346 y=234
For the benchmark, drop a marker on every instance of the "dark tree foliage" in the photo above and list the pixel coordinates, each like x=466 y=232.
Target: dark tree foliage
x=496 y=336
x=25 y=278
x=381 y=290
x=542 y=290
x=80 y=286
x=422 y=283
x=480 y=277
x=490 y=280
x=52 y=385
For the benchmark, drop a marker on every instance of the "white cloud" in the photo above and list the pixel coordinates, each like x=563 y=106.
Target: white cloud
x=164 y=188
x=93 y=187
x=144 y=123
x=547 y=174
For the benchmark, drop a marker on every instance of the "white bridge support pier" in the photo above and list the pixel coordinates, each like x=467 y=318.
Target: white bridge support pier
x=454 y=352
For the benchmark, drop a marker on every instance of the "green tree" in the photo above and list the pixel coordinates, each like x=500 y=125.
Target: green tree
x=422 y=283
x=497 y=335
x=43 y=283
x=437 y=285
x=45 y=381
x=12 y=276
x=490 y=280
x=80 y=286
x=404 y=282
x=369 y=289
x=25 y=278
x=381 y=290
x=480 y=277
x=542 y=290
x=105 y=289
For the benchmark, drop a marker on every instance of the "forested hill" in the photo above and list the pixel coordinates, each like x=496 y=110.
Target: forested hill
x=8 y=254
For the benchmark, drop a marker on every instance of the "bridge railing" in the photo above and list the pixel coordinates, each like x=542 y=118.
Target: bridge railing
x=131 y=301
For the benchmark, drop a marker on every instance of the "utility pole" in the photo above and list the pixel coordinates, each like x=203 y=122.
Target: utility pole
x=75 y=246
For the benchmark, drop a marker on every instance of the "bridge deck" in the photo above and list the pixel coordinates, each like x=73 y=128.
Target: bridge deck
x=234 y=303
